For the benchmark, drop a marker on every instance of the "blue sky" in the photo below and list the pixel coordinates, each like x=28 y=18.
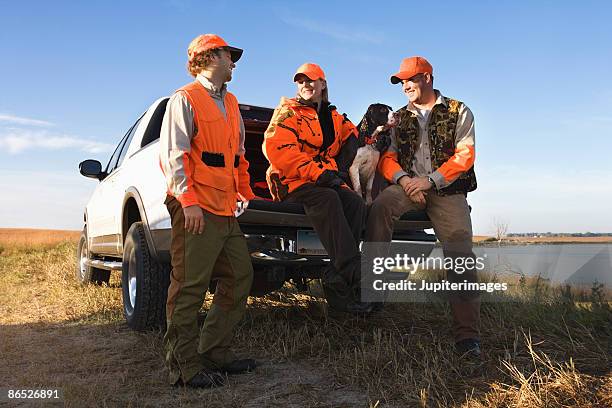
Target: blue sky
x=75 y=75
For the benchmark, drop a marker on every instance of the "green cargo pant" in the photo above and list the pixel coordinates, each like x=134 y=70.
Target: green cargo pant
x=219 y=254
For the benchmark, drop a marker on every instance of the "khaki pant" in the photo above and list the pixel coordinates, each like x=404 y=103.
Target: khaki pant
x=450 y=216
x=220 y=254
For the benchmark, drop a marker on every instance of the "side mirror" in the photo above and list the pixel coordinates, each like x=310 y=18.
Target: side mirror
x=92 y=169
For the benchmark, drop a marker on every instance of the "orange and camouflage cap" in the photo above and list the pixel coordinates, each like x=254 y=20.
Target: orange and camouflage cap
x=207 y=42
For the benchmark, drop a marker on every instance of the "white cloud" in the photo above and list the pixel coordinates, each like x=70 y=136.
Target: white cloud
x=18 y=140
x=335 y=31
x=20 y=137
x=18 y=120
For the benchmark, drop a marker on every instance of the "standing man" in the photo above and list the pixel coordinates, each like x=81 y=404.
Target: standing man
x=430 y=165
x=202 y=157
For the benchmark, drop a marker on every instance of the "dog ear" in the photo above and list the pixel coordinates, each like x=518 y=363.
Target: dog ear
x=366 y=127
x=362 y=128
x=373 y=110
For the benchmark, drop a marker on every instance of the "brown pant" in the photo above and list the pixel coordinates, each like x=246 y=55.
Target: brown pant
x=218 y=254
x=450 y=216
x=338 y=217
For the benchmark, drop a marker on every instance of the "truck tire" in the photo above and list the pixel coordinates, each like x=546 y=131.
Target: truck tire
x=87 y=274
x=144 y=283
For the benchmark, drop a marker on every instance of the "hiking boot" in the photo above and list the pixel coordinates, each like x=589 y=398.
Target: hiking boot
x=335 y=281
x=469 y=348
x=336 y=293
x=346 y=304
x=205 y=378
x=340 y=296
x=239 y=366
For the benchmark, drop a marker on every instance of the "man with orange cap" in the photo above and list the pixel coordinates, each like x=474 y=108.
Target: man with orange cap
x=202 y=157
x=310 y=147
x=430 y=164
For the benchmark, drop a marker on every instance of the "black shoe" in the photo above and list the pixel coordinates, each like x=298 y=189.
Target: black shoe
x=341 y=298
x=468 y=348
x=239 y=366
x=337 y=297
x=205 y=378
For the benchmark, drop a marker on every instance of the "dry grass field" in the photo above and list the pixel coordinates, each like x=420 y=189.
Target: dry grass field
x=24 y=238
x=548 y=352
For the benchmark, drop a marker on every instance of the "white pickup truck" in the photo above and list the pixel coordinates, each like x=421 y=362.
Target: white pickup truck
x=127 y=226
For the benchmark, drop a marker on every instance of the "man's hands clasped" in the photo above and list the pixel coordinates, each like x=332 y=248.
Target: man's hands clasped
x=415 y=188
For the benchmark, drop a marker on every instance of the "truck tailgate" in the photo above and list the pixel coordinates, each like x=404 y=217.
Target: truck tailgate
x=264 y=212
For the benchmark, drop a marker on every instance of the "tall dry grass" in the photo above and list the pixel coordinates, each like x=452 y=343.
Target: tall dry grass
x=25 y=238
x=540 y=351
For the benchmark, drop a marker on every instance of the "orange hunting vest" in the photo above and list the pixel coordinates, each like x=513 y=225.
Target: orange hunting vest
x=213 y=162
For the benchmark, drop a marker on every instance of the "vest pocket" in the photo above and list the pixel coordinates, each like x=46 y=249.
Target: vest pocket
x=213 y=159
x=217 y=177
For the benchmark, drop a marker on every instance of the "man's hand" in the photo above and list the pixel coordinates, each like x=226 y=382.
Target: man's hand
x=416 y=184
x=329 y=178
x=417 y=197
x=403 y=181
x=241 y=205
x=194 y=219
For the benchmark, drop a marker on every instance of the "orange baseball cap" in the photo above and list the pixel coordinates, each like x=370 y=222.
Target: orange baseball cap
x=410 y=67
x=207 y=42
x=312 y=71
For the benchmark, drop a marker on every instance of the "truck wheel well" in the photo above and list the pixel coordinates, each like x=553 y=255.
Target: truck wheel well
x=131 y=214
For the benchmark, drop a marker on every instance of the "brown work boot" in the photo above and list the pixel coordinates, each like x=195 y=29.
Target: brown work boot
x=345 y=302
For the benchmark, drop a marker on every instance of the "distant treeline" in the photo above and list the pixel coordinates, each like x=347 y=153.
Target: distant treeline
x=559 y=234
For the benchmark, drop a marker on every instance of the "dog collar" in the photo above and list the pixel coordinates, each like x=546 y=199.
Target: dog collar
x=370 y=140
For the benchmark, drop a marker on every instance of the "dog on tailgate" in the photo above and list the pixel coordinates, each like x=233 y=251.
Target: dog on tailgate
x=374 y=139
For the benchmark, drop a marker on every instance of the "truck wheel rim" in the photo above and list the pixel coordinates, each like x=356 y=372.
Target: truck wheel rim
x=132 y=280
x=83 y=260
